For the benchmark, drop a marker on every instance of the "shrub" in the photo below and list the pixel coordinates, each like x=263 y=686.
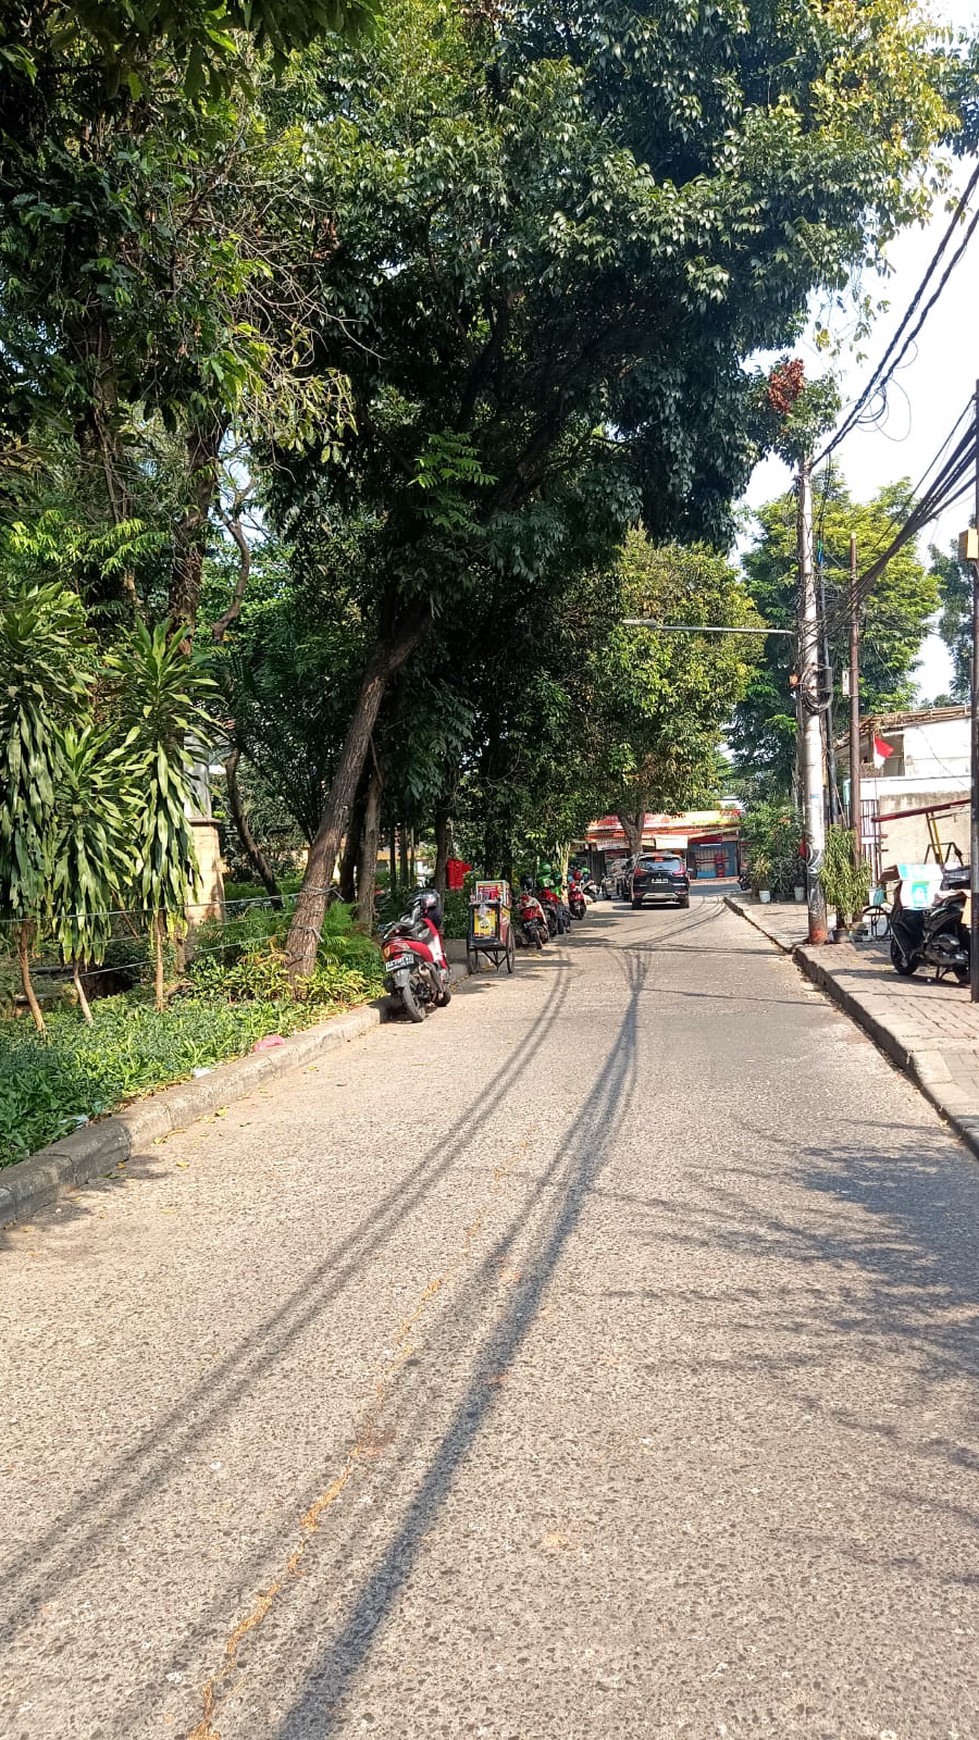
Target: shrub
x=48 y=1085
x=847 y=884
x=774 y=832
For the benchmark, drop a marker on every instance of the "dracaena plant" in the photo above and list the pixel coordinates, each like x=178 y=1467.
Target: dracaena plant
x=43 y=687
x=163 y=688
x=92 y=862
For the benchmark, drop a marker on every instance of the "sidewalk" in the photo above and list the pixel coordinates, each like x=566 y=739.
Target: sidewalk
x=930 y=1031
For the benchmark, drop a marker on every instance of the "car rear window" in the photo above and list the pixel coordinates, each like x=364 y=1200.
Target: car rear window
x=670 y=864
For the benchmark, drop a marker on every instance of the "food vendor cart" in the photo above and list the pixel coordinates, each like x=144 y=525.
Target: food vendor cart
x=490 y=930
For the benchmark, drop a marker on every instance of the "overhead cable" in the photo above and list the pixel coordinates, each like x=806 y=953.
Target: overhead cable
x=889 y=361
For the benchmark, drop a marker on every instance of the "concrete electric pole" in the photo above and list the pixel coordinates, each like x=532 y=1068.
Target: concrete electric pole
x=809 y=714
x=855 y=708
x=974 y=747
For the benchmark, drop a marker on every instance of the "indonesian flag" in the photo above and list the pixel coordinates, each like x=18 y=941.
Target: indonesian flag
x=881 y=750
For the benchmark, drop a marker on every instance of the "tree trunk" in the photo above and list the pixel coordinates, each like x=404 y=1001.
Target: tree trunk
x=249 y=845
x=632 y=826
x=392 y=859
x=351 y=846
x=307 y=922
x=443 y=844
x=80 y=993
x=203 y=447
x=25 y=934
x=158 y=947
x=404 y=868
x=370 y=842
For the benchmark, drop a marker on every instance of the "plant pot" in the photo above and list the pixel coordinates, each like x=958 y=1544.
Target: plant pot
x=764 y=895
x=799 y=895
x=840 y=933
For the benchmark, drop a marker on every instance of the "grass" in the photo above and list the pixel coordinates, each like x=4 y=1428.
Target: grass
x=235 y=994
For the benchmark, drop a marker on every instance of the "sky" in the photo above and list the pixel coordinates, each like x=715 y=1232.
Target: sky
x=929 y=390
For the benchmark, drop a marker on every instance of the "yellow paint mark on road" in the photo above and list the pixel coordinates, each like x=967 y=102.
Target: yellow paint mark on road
x=371 y=1440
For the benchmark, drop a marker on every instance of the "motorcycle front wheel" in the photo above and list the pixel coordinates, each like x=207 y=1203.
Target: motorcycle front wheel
x=904 y=964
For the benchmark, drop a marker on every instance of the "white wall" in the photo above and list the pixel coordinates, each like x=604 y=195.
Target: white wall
x=937 y=750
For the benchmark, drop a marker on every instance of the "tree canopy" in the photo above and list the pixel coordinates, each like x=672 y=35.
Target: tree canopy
x=447 y=301
x=894 y=619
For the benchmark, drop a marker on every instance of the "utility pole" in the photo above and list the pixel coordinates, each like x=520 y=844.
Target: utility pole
x=809 y=709
x=835 y=803
x=974 y=750
x=855 y=708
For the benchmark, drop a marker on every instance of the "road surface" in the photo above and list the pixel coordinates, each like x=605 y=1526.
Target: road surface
x=599 y=1360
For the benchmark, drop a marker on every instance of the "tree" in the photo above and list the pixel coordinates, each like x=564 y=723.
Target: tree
x=206 y=37
x=157 y=256
x=894 y=619
x=954 y=579
x=663 y=700
x=559 y=236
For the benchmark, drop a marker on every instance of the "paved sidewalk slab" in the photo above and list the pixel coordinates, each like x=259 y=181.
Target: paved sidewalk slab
x=929 y=1030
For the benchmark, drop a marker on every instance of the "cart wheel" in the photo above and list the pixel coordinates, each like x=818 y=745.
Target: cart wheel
x=471 y=961
x=511 y=952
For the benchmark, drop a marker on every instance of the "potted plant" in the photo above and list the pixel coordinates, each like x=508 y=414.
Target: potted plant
x=846 y=883
x=761 y=876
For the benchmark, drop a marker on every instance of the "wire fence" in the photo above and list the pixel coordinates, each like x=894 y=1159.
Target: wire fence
x=129 y=927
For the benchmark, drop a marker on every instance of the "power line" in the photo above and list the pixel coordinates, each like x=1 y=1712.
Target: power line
x=886 y=367
x=953 y=481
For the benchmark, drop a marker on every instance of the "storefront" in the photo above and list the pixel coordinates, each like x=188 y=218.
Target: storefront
x=714 y=858
x=707 y=839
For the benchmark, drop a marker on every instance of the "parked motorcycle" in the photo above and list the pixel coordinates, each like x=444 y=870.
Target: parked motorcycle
x=531 y=920
x=558 y=916
x=577 y=904
x=936 y=937
x=416 y=972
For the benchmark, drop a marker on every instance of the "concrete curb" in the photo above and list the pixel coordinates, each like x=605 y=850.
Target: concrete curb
x=927 y=1068
x=746 y=913
x=98 y=1148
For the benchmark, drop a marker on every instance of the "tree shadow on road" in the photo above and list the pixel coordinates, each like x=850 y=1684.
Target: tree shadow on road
x=559 y=1197
x=137 y=1476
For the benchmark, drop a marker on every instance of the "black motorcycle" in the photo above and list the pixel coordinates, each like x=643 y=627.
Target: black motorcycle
x=936 y=937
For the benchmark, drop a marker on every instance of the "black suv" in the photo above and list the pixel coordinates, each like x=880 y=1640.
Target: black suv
x=660 y=876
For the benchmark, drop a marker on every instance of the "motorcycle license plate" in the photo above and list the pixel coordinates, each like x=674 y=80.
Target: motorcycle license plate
x=395 y=963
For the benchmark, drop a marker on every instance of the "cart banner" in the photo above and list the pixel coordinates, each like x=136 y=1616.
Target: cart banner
x=485 y=891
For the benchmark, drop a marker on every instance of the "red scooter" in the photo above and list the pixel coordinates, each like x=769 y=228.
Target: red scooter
x=558 y=916
x=416 y=972
x=531 y=919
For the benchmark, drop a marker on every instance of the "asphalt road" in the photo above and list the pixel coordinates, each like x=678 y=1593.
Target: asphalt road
x=600 y=1359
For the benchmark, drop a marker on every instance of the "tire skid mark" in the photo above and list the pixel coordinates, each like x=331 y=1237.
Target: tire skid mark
x=369 y=1434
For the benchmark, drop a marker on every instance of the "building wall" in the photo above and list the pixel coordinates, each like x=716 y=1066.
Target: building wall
x=937 y=750
x=905 y=840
